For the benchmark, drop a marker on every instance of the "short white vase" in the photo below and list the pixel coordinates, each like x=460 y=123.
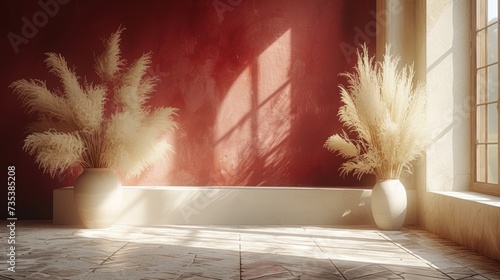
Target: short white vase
x=389 y=204
x=98 y=196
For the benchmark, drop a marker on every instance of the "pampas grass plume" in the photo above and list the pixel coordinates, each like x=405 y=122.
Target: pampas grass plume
x=71 y=127
x=386 y=114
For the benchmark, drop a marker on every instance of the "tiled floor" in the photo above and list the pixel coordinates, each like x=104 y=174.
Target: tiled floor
x=45 y=251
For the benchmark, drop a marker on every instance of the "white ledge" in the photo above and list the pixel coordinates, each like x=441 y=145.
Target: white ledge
x=288 y=188
x=223 y=205
x=472 y=197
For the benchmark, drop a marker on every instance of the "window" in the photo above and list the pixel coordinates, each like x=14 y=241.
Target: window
x=485 y=96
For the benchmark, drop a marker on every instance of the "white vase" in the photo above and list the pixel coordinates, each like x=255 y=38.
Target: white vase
x=98 y=196
x=389 y=204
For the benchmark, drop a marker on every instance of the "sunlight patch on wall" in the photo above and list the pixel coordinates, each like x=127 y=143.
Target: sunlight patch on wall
x=253 y=121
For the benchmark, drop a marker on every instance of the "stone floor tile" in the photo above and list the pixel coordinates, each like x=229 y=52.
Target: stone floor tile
x=492 y=275
x=264 y=269
x=409 y=276
x=456 y=269
x=354 y=270
x=46 y=251
x=475 y=277
x=423 y=271
x=380 y=275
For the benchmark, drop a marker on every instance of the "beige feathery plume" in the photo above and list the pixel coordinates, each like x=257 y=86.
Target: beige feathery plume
x=342 y=145
x=71 y=127
x=130 y=94
x=109 y=63
x=386 y=112
x=54 y=151
x=37 y=99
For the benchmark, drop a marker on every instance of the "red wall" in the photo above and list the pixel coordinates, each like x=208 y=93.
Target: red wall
x=256 y=82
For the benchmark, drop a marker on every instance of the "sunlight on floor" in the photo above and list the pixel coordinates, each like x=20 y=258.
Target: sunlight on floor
x=355 y=245
x=47 y=251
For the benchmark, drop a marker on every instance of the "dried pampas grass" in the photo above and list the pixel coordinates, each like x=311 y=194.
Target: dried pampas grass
x=385 y=113
x=72 y=128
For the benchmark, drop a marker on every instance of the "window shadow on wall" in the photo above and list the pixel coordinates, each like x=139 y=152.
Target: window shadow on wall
x=259 y=94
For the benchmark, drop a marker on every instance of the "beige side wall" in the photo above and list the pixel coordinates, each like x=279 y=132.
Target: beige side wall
x=442 y=29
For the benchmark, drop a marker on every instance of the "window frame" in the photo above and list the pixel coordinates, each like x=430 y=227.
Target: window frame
x=481 y=187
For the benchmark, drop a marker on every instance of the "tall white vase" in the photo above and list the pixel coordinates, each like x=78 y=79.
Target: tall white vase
x=98 y=196
x=389 y=204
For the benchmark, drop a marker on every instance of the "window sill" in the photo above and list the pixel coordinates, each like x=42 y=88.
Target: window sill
x=473 y=197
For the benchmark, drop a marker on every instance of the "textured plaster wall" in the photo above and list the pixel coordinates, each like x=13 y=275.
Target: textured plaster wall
x=443 y=28
x=256 y=82
x=448 y=83
x=474 y=224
